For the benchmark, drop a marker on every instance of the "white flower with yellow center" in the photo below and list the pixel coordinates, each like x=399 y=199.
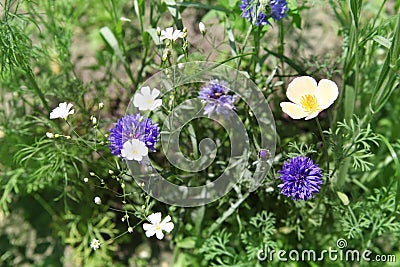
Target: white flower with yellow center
x=309 y=98
x=62 y=111
x=146 y=99
x=134 y=150
x=95 y=244
x=156 y=226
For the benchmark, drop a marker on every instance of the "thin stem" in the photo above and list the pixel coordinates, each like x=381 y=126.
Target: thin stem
x=325 y=145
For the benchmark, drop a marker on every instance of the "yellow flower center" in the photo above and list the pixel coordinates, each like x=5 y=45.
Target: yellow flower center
x=158 y=227
x=309 y=103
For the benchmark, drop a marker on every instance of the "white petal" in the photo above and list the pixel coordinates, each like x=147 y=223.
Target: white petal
x=327 y=93
x=150 y=232
x=63 y=105
x=293 y=110
x=138 y=100
x=127 y=150
x=166 y=219
x=156 y=104
x=301 y=86
x=167 y=227
x=155 y=218
x=159 y=234
x=148 y=226
x=69 y=106
x=71 y=112
x=155 y=93
x=313 y=115
x=145 y=91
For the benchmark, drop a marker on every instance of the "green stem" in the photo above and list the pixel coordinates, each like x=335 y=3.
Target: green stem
x=37 y=90
x=325 y=145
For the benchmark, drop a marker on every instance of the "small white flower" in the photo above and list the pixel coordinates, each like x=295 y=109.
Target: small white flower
x=171 y=34
x=130 y=229
x=97 y=200
x=156 y=226
x=86 y=180
x=49 y=135
x=62 y=111
x=101 y=105
x=95 y=244
x=146 y=99
x=134 y=150
x=202 y=28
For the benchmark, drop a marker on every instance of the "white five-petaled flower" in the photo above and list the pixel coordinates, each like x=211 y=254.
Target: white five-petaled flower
x=146 y=99
x=134 y=150
x=95 y=244
x=171 y=34
x=97 y=200
x=156 y=226
x=62 y=111
x=308 y=97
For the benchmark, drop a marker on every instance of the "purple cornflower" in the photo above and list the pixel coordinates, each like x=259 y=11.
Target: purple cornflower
x=263 y=10
x=215 y=93
x=131 y=127
x=301 y=178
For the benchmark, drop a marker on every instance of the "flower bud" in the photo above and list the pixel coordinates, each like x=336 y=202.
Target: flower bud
x=202 y=28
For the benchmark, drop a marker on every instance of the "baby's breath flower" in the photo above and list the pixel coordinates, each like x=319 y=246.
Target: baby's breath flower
x=134 y=150
x=86 y=179
x=146 y=99
x=171 y=34
x=95 y=244
x=308 y=98
x=97 y=200
x=130 y=229
x=49 y=135
x=101 y=105
x=62 y=111
x=156 y=226
x=92 y=174
x=110 y=171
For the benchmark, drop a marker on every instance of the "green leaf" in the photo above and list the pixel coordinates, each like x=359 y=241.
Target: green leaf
x=382 y=41
x=110 y=39
x=188 y=243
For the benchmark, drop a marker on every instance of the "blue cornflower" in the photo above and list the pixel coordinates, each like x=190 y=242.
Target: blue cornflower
x=215 y=93
x=301 y=178
x=263 y=10
x=131 y=127
x=279 y=9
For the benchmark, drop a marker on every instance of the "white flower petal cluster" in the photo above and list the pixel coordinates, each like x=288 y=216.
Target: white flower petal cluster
x=62 y=111
x=156 y=226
